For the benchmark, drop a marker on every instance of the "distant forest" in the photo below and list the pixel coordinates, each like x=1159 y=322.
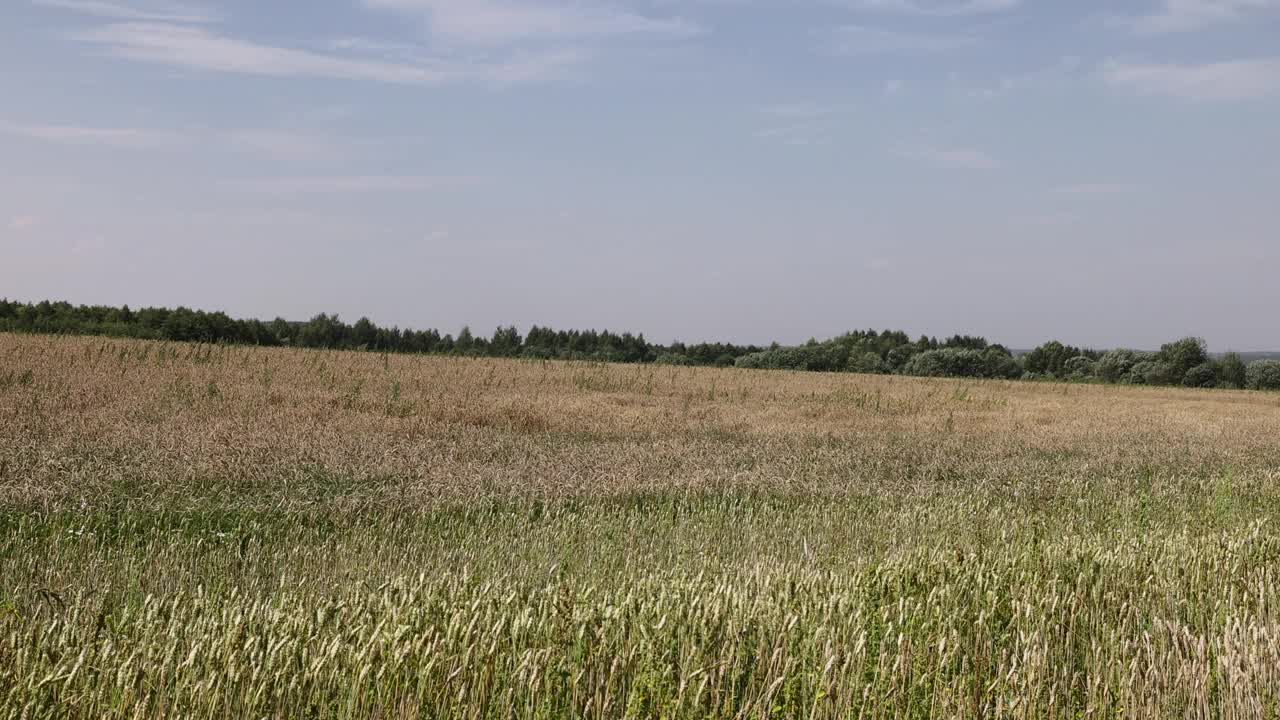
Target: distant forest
x=1182 y=362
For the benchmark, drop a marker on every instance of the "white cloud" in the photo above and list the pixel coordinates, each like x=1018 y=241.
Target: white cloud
x=1188 y=15
x=502 y=21
x=859 y=39
x=1222 y=81
x=125 y=138
x=357 y=184
x=950 y=158
x=153 y=12
x=936 y=8
x=198 y=49
x=22 y=223
x=893 y=86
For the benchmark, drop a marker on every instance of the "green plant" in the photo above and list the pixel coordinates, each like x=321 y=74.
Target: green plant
x=1231 y=370
x=1201 y=376
x=1263 y=375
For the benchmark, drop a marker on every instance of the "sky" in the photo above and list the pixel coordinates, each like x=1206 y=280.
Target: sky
x=1104 y=173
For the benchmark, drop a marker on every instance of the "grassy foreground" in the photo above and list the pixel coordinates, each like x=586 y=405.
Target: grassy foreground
x=191 y=531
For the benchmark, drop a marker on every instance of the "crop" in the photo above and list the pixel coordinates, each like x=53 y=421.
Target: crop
x=202 y=531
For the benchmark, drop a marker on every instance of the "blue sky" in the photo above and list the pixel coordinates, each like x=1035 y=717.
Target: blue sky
x=1103 y=173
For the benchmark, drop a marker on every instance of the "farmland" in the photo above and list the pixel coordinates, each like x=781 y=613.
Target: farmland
x=203 y=531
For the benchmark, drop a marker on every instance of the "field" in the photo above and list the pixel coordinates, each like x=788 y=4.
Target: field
x=209 y=532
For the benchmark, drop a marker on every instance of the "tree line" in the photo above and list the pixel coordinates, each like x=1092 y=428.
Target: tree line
x=327 y=331
x=1184 y=362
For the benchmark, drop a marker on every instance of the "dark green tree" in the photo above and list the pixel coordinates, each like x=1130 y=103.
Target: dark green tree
x=1201 y=376
x=1051 y=358
x=506 y=342
x=364 y=333
x=1182 y=355
x=1231 y=371
x=465 y=343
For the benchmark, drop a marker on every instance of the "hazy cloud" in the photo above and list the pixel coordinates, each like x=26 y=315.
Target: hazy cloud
x=1221 y=81
x=358 y=183
x=23 y=222
x=1187 y=15
x=1049 y=219
x=797 y=112
x=799 y=124
x=278 y=143
x=860 y=39
x=1097 y=189
x=1066 y=67
x=88 y=245
x=126 y=138
x=198 y=49
x=936 y=8
x=794 y=134
x=153 y=12
x=502 y=21
x=950 y=158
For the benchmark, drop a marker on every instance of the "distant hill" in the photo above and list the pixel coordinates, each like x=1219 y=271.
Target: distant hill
x=1249 y=357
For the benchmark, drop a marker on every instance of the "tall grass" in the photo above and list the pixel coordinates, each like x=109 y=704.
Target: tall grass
x=190 y=531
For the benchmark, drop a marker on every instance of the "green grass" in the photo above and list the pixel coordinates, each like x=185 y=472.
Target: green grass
x=652 y=605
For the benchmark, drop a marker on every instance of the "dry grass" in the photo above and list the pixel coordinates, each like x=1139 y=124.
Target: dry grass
x=195 y=531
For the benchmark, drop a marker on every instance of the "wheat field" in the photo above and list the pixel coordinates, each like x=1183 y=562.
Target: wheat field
x=209 y=532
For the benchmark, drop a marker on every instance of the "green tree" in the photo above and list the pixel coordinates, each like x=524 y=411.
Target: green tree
x=1231 y=371
x=970 y=342
x=1182 y=355
x=898 y=357
x=322 y=331
x=506 y=342
x=1050 y=358
x=1263 y=375
x=1204 y=375
x=1152 y=372
x=947 y=362
x=1079 y=368
x=997 y=362
x=466 y=342
x=868 y=363
x=364 y=333
x=1116 y=364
